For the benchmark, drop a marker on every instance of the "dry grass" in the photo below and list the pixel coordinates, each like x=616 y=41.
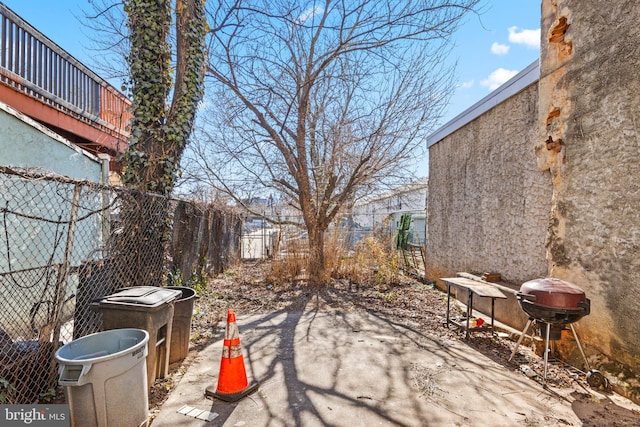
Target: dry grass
x=290 y=266
x=424 y=380
x=372 y=262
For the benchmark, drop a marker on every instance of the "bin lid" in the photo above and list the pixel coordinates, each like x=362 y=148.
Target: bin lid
x=148 y=297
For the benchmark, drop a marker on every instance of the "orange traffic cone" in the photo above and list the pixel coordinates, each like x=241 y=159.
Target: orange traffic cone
x=232 y=381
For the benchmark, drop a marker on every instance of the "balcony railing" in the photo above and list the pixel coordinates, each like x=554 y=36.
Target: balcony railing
x=35 y=66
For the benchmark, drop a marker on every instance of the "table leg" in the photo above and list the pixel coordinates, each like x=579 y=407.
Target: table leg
x=448 y=301
x=469 y=311
x=493 y=305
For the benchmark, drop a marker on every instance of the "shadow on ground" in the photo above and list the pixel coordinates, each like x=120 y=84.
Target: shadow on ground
x=342 y=356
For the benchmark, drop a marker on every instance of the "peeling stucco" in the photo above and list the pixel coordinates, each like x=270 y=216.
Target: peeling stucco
x=547 y=182
x=594 y=230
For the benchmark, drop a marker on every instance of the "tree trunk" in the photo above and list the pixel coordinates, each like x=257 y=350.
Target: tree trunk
x=158 y=135
x=139 y=248
x=318 y=274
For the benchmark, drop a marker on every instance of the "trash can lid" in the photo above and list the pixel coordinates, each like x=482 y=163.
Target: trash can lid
x=140 y=296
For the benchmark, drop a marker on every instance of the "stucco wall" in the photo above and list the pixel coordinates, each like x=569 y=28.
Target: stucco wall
x=488 y=204
x=25 y=143
x=590 y=101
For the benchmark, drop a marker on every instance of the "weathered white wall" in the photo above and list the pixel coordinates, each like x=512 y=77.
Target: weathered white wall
x=590 y=100
x=488 y=203
x=32 y=238
x=410 y=198
x=25 y=143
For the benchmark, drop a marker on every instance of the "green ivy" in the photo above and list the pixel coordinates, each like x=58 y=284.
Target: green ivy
x=7 y=392
x=160 y=129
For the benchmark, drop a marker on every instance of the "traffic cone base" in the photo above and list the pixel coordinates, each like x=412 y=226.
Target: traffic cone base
x=232 y=397
x=232 y=380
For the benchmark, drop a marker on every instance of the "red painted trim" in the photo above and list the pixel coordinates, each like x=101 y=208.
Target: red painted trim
x=47 y=114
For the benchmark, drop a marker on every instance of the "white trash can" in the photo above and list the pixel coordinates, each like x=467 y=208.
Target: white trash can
x=105 y=378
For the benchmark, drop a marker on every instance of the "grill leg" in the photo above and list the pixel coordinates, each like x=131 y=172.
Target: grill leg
x=524 y=332
x=546 y=352
x=586 y=362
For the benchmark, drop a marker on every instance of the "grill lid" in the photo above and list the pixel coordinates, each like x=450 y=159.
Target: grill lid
x=553 y=293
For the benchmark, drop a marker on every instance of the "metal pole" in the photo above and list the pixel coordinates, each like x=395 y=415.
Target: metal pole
x=586 y=362
x=63 y=274
x=448 y=300
x=524 y=332
x=105 y=198
x=546 y=351
x=469 y=311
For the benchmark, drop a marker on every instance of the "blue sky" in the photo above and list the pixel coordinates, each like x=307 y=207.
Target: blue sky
x=489 y=48
x=493 y=47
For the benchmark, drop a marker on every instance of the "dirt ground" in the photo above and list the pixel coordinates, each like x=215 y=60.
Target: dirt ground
x=410 y=303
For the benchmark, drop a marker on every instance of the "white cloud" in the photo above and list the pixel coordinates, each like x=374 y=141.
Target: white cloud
x=529 y=38
x=499 y=49
x=498 y=77
x=466 y=85
x=308 y=14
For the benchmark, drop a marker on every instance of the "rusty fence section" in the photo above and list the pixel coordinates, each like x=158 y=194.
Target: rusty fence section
x=65 y=243
x=205 y=239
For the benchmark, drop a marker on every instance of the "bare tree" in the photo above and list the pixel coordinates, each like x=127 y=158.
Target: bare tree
x=322 y=101
x=107 y=36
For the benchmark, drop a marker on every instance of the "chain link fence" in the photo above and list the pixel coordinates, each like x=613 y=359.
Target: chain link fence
x=65 y=243
x=264 y=238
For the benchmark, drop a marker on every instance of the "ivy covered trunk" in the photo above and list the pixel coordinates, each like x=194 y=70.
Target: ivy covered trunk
x=159 y=129
x=138 y=247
